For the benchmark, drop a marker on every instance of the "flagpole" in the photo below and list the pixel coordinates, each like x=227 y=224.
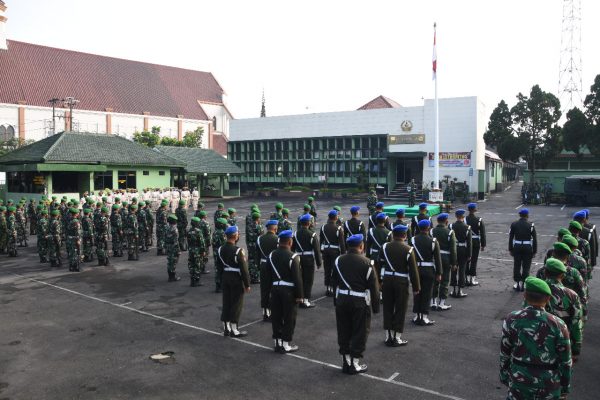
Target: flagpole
x=436 y=145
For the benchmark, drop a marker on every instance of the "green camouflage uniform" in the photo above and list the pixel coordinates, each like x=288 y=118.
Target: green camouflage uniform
x=283 y=225
x=531 y=338
x=41 y=229
x=124 y=212
x=584 y=247
x=11 y=234
x=54 y=241
x=573 y=280
x=218 y=240
x=172 y=246
x=255 y=230
x=207 y=233
x=73 y=243
x=102 y=240
x=31 y=214
x=565 y=304
x=149 y=226
x=577 y=261
x=371 y=201
x=3 y=233
x=132 y=232
x=21 y=226
x=116 y=231
x=87 y=226
x=219 y=214
x=161 y=228
x=196 y=249
x=142 y=221
x=182 y=223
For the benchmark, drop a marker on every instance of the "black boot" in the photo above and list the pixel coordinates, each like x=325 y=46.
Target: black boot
x=100 y=263
x=160 y=252
x=173 y=277
x=346 y=361
x=106 y=262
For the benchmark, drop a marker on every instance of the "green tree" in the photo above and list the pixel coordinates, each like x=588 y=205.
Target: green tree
x=535 y=122
x=7 y=146
x=146 y=138
x=500 y=126
x=576 y=131
x=169 y=141
x=193 y=138
x=592 y=112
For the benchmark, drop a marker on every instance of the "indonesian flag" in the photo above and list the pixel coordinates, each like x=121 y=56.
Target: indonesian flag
x=434 y=59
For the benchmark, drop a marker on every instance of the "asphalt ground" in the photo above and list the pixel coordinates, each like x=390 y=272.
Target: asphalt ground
x=89 y=335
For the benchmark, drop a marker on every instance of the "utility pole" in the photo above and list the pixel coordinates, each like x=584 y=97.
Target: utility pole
x=53 y=101
x=70 y=102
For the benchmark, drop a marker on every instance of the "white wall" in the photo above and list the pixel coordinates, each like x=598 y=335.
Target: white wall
x=168 y=126
x=223 y=117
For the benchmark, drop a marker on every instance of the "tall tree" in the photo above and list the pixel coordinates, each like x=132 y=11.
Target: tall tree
x=500 y=125
x=575 y=131
x=535 y=122
x=6 y=146
x=193 y=138
x=146 y=138
x=592 y=111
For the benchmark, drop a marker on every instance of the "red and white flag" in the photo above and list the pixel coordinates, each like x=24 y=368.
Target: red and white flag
x=434 y=55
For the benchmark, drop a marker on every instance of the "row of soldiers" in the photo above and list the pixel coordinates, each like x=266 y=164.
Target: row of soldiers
x=541 y=342
x=13 y=226
x=153 y=197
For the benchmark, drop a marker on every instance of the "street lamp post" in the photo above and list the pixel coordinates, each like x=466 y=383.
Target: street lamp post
x=70 y=102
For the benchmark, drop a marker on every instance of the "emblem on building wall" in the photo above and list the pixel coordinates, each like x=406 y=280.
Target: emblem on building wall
x=406 y=125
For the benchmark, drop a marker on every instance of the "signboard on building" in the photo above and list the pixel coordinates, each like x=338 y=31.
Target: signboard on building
x=452 y=159
x=418 y=138
x=39 y=180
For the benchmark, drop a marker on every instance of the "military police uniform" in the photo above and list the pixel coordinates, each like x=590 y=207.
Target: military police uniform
x=265 y=244
x=423 y=214
x=376 y=238
x=373 y=217
x=354 y=226
x=462 y=232
x=333 y=244
x=427 y=251
x=447 y=241
x=306 y=243
x=522 y=245
x=478 y=243
x=400 y=221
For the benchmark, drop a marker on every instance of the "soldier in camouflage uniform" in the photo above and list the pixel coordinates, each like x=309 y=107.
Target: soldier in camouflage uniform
x=199 y=209
x=142 y=221
x=11 y=232
x=313 y=207
x=182 y=223
x=161 y=227
x=564 y=303
x=124 y=212
x=278 y=212
x=102 y=236
x=21 y=225
x=254 y=231
x=87 y=225
x=73 y=243
x=584 y=246
x=575 y=260
x=253 y=209
x=54 y=239
x=96 y=215
x=3 y=230
x=31 y=215
x=197 y=250
x=535 y=352
x=207 y=232
x=149 y=225
x=41 y=229
x=218 y=240
x=232 y=220
x=116 y=230
x=219 y=213
x=371 y=201
x=284 y=223
x=340 y=221
x=132 y=232
x=172 y=247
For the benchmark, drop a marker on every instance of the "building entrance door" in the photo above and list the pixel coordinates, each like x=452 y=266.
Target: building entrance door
x=408 y=169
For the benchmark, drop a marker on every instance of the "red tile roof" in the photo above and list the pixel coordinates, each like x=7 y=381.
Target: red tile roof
x=34 y=74
x=380 y=102
x=219 y=143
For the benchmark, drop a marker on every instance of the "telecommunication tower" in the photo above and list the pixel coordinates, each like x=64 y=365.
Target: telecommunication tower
x=570 y=72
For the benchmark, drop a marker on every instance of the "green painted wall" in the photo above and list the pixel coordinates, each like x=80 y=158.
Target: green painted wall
x=556 y=176
x=153 y=179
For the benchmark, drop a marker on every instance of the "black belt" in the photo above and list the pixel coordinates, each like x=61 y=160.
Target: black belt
x=547 y=367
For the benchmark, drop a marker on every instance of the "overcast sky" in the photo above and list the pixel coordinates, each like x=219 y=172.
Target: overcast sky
x=324 y=55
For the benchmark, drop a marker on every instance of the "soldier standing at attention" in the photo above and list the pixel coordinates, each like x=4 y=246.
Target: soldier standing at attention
x=218 y=240
x=378 y=236
x=575 y=261
x=253 y=231
x=379 y=210
x=400 y=221
x=195 y=200
x=142 y=227
x=286 y=292
x=522 y=245
x=278 y=212
x=306 y=209
x=236 y=281
x=584 y=246
x=149 y=225
x=333 y=245
x=587 y=234
x=356 y=296
x=265 y=244
x=313 y=208
x=462 y=232
x=232 y=220
x=172 y=247
x=161 y=227
x=535 y=352
x=587 y=224
x=182 y=223
x=132 y=234
x=116 y=230
x=32 y=216
x=447 y=241
x=284 y=223
x=306 y=243
x=3 y=230
x=196 y=251
x=21 y=225
x=42 y=227
x=124 y=212
x=398 y=264
x=478 y=243
x=427 y=251
x=219 y=213
x=102 y=237
x=354 y=226
x=206 y=232
x=412 y=193
x=73 y=240
x=199 y=209
x=54 y=238
x=423 y=214
x=87 y=226
x=371 y=202
x=253 y=209
x=340 y=219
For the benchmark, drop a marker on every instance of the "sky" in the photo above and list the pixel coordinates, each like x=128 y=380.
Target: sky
x=329 y=55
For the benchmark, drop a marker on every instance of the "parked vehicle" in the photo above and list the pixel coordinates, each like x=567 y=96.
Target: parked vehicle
x=582 y=190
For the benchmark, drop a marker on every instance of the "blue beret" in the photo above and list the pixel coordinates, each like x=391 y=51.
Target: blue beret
x=285 y=234
x=423 y=205
x=587 y=213
x=424 y=223
x=332 y=213
x=272 y=222
x=379 y=204
x=459 y=212
x=380 y=216
x=472 y=206
x=305 y=218
x=442 y=217
x=231 y=230
x=354 y=209
x=400 y=211
x=355 y=240
x=523 y=211
x=579 y=215
x=400 y=228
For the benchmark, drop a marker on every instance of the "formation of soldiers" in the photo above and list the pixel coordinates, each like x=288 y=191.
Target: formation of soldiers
x=541 y=342
x=534 y=193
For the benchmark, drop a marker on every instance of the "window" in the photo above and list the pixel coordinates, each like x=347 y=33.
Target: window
x=161 y=173
x=66 y=182
x=103 y=180
x=214 y=123
x=26 y=182
x=127 y=180
x=6 y=133
x=146 y=173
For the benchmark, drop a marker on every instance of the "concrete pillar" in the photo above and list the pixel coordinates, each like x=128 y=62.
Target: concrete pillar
x=180 y=127
x=221 y=185
x=146 y=119
x=109 y=120
x=21 y=121
x=67 y=120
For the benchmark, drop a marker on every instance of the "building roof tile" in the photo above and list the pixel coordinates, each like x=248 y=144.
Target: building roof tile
x=199 y=161
x=380 y=102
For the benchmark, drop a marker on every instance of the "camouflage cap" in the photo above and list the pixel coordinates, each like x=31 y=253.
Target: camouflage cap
x=536 y=285
x=552 y=264
x=570 y=240
x=562 y=246
x=575 y=225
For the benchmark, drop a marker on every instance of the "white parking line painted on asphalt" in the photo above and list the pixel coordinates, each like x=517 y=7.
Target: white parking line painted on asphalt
x=394 y=375
x=563 y=207
x=198 y=328
x=516 y=208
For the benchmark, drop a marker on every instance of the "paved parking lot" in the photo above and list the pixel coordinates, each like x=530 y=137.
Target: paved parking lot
x=90 y=334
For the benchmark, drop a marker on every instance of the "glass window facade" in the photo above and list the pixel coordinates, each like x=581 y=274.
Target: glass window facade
x=103 y=180
x=303 y=161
